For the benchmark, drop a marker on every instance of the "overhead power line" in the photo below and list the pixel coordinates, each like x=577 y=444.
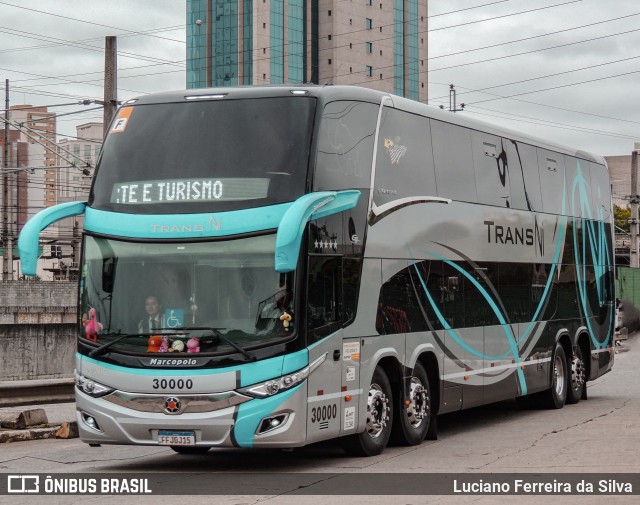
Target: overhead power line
x=90 y=22
x=548 y=34
x=504 y=16
x=533 y=51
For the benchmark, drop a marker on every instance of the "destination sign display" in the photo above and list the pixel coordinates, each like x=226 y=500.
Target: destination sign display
x=185 y=190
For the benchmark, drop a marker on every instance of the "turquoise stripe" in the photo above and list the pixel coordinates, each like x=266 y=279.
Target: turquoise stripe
x=503 y=323
x=250 y=373
x=595 y=231
x=172 y=226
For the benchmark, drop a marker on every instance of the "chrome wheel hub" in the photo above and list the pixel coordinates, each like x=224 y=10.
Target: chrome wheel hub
x=418 y=408
x=559 y=375
x=377 y=411
x=577 y=373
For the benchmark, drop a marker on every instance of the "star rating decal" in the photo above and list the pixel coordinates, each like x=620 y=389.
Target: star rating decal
x=326 y=244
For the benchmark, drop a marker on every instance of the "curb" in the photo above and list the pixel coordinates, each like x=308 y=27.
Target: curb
x=34 y=392
x=65 y=430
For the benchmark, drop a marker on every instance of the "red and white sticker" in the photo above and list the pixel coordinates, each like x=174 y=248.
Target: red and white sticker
x=351 y=351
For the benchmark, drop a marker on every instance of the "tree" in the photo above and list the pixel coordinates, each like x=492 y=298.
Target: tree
x=621 y=216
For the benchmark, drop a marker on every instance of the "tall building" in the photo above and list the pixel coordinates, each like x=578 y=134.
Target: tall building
x=38 y=126
x=74 y=179
x=22 y=189
x=75 y=163
x=379 y=44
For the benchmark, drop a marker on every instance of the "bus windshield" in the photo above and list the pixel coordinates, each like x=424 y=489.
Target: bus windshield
x=131 y=292
x=203 y=156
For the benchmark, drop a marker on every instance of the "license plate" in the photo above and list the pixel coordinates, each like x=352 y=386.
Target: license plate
x=176 y=438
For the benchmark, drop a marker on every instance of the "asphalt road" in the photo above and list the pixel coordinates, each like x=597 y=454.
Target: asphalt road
x=600 y=436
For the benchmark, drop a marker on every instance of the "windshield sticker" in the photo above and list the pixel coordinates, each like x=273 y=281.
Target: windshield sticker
x=120 y=124
x=185 y=190
x=174 y=318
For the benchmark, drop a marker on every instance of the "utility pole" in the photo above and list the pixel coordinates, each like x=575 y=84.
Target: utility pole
x=452 y=100
x=634 y=200
x=5 y=188
x=110 y=80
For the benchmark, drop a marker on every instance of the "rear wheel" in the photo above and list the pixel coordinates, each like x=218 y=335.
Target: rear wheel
x=375 y=436
x=184 y=449
x=556 y=397
x=578 y=378
x=412 y=421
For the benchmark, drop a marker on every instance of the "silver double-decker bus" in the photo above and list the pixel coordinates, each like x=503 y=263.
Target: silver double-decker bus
x=329 y=262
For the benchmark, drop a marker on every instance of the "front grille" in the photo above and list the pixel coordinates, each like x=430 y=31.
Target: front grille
x=189 y=404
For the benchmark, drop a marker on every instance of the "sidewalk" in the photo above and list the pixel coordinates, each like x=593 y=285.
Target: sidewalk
x=37 y=422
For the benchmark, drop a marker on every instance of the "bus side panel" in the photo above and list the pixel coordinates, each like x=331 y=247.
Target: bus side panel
x=464 y=363
x=323 y=405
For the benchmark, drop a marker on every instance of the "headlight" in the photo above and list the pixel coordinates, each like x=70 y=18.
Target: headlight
x=280 y=384
x=91 y=387
x=275 y=386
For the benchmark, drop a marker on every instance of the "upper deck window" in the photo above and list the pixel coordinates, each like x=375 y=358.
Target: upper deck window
x=345 y=146
x=203 y=156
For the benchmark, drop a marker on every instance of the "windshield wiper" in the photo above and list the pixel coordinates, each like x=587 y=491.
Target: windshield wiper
x=217 y=334
x=99 y=351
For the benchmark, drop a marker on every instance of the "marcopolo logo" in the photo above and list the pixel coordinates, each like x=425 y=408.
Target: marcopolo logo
x=173 y=361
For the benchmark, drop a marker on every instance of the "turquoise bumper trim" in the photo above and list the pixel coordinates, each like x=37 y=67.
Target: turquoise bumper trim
x=251 y=413
x=250 y=373
x=29 y=241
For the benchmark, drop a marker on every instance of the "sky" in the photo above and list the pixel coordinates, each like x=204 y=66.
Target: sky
x=567 y=71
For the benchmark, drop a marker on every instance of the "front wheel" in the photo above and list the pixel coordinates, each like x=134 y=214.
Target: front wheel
x=375 y=436
x=578 y=381
x=413 y=419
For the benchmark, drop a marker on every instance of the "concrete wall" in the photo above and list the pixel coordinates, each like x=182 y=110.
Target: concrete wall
x=37 y=329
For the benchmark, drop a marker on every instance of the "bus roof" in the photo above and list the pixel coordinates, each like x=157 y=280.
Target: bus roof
x=329 y=93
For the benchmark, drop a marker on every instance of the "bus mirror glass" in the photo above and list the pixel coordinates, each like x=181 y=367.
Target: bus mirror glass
x=108 y=274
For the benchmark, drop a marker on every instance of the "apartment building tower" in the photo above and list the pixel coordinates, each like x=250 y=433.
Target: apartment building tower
x=379 y=44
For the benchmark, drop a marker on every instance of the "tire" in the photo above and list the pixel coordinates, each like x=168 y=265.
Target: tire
x=375 y=436
x=556 y=396
x=182 y=449
x=577 y=383
x=412 y=422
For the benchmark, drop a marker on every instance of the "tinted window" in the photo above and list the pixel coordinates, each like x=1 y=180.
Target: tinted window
x=490 y=162
x=578 y=184
x=600 y=191
x=345 y=146
x=324 y=296
x=428 y=283
x=399 y=309
x=453 y=161
x=552 y=181
x=404 y=160
x=205 y=155
x=522 y=162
